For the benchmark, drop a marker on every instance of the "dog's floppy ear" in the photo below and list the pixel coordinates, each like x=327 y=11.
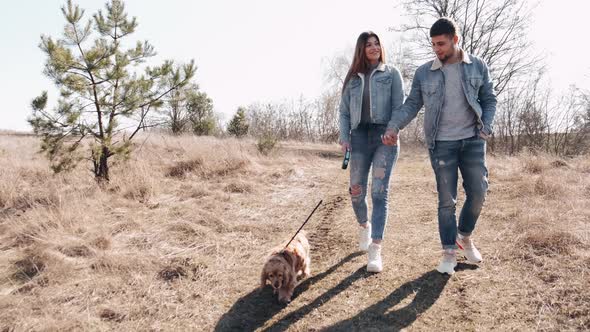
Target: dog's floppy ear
x=263 y=277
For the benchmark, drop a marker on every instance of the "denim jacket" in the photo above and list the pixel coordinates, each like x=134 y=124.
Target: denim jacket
x=428 y=89
x=386 y=96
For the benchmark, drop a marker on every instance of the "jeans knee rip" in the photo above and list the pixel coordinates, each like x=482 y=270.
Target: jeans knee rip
x=356 y=190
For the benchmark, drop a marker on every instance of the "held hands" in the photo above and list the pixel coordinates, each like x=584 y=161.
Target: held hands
x=390 y=137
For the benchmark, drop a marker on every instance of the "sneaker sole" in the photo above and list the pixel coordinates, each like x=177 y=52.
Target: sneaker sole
x=447 y=272
x=374 y=269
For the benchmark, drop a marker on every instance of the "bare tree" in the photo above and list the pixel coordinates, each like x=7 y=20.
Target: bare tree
x=327 y=118
x=523 y=117
x=572 y=124
x=495 y=30
x=336 y=68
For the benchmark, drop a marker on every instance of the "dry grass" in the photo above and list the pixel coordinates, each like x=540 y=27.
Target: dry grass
x=176 y=241
x=549 y=244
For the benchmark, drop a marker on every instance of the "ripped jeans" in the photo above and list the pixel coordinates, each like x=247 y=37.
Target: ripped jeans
x=367 y=151
x=447 y=159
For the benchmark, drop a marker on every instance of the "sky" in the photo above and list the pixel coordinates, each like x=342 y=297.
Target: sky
x=253 y=51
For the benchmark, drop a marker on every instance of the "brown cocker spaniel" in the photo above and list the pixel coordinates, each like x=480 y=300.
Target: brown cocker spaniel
x=284 y=265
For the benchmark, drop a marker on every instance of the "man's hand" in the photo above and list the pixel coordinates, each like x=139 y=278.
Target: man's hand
x=483 y=135
x=345 y=146
x=390 y=137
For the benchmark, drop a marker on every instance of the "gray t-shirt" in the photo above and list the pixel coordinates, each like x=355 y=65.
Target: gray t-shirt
x=365 y=112
x=457 y=119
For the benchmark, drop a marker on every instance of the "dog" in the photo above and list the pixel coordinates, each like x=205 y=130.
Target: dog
x=284 y=265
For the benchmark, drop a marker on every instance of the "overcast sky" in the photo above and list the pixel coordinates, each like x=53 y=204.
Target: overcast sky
x=249 y=51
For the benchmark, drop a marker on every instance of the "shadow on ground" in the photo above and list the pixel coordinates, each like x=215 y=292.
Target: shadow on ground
x=384 y=316
x=256 y=308
x=298 y=314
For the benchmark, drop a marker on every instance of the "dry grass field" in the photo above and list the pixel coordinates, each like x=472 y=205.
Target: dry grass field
x=176 y=242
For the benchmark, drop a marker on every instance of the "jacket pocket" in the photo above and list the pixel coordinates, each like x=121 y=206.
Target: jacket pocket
x=474 y=83
x=429 y=94
x=384 y=80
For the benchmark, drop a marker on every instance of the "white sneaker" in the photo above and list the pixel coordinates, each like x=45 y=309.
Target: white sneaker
x=364 y=237
x=375 y=264
x=468 y=249
x=448 y=262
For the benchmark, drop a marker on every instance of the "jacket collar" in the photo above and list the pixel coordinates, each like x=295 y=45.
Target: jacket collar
x=380 y=67
x=437 y=64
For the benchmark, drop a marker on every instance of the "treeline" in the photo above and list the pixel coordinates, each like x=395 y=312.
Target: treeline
x=109 y=93
x=529 y=116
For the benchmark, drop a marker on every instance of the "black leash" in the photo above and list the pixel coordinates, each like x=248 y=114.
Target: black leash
x=317 y=206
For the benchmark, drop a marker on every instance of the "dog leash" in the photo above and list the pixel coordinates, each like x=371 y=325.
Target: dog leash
x=317 y=206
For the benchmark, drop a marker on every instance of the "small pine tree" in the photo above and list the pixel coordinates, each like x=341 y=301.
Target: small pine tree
x=189 y=110
x=238 y=126
x=99 y=86
x=200 y=113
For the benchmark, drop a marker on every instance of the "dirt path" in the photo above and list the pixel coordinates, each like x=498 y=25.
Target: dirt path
x=341 y=295
x=182 y=252
x=501 y=293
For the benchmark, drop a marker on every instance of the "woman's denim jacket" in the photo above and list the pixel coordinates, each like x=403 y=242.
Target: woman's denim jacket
x=386 y=96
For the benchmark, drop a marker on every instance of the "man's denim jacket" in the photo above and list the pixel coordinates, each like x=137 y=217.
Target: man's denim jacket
x=386 y=97
x=428 y=89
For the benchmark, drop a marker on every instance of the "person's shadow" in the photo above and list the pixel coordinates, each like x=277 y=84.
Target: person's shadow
x=257 y=307
x=427 y=288
x=380 y=316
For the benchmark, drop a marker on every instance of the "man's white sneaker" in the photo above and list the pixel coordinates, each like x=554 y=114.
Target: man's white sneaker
x=468 y=249
x=375 y=264
x=364 y=237
x=448 y=262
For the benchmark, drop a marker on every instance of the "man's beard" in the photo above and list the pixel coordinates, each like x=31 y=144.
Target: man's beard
x=445 y=58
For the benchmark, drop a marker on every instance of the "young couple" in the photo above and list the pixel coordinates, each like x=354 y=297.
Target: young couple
x=459 y=99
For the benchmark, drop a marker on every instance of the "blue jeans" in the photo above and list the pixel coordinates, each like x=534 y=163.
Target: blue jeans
x=469 y=156
x=367 y=151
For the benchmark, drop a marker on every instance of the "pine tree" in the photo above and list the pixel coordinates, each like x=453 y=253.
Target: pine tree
x=238 y=126
x=100 y=87
x=200 y=112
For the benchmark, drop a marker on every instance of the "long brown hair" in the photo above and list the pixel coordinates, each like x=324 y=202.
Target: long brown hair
x=360 y=64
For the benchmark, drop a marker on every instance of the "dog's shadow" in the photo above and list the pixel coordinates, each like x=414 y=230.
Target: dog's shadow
x=257 y=307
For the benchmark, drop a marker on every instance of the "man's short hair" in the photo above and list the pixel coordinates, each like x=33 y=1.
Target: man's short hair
x=444 y=26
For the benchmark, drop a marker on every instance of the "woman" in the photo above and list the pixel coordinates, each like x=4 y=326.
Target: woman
x=371 y=91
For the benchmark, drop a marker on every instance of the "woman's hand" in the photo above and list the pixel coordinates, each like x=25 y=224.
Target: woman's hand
x=345 y=146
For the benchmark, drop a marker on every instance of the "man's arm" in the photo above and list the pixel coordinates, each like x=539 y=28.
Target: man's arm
x=406 y=112
x=403 y=114
x=397 y=92
x=487 y=100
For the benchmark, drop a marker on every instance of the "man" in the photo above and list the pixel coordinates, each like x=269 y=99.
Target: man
x=460 y=103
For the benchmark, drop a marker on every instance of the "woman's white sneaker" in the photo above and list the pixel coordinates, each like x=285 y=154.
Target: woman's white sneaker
x=448 y=262
x=364 y=237
x=375 y=263
x=468 y=249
